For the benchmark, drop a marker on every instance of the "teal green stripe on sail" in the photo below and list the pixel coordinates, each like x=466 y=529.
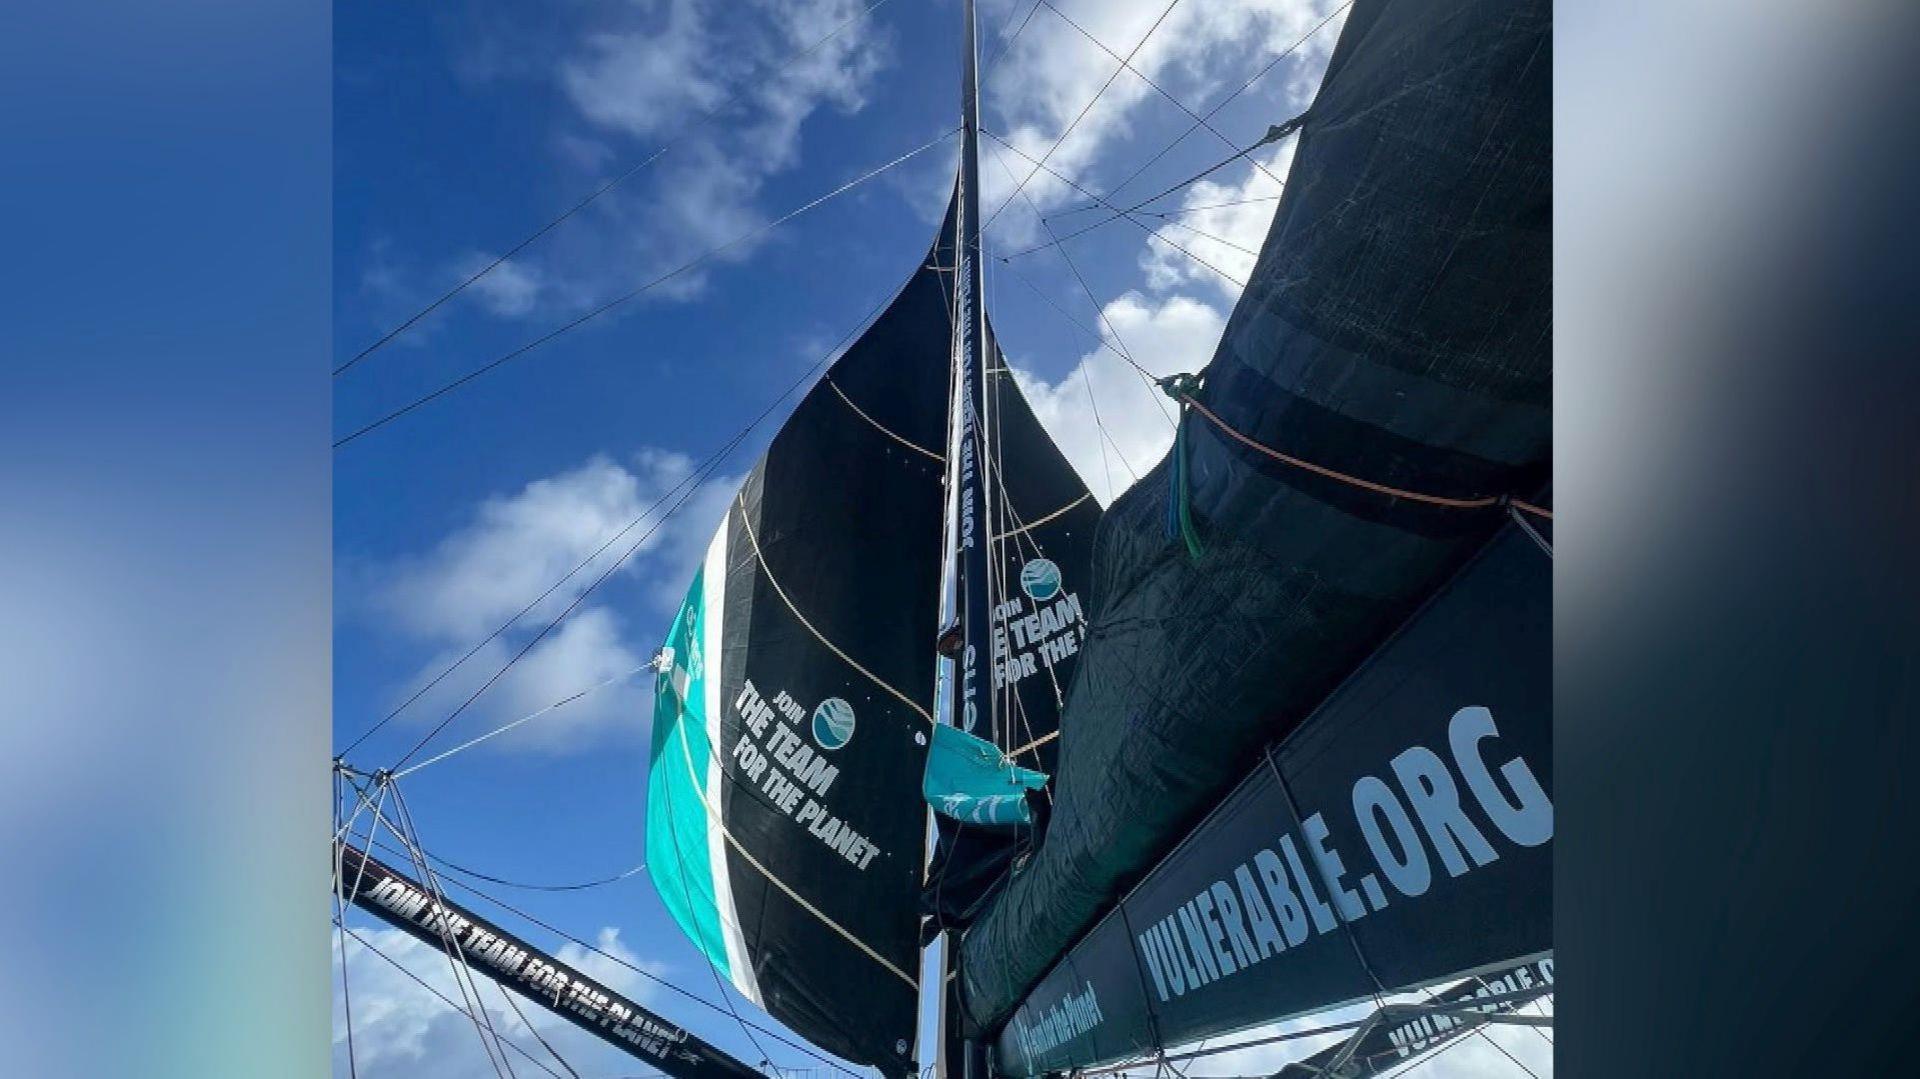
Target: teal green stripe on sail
x=678 y=857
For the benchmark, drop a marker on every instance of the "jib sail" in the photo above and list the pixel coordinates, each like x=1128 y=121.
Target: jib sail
x=785 y=827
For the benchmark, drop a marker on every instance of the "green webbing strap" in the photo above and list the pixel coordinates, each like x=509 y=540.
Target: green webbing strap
x=1180 y=387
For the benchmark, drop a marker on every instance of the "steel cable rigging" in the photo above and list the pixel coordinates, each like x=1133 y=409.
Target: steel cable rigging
x=705 y=113
x=691 y=264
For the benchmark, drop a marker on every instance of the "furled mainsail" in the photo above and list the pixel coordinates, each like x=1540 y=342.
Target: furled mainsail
x=1397 y=329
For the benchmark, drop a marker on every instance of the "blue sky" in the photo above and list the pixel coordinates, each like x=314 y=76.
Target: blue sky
x=459 y=129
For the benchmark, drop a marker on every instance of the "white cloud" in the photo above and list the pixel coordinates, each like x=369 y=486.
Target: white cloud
x=612 y=963
x=644 y=76
x=1163 y=336
x=1225 y=225
x=511 y=550
x=509 y=289
x=646 y=81
x=401 y=1029
x=1052 y=72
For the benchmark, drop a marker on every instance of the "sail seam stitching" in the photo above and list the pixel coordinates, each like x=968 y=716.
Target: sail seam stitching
x=754 y=542
x=878 y=426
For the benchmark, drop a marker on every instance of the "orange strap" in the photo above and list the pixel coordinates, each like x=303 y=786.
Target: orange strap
x=1356 y=481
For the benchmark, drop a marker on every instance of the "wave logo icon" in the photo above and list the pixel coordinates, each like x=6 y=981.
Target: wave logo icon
x=833 y=723
x=1040 y=580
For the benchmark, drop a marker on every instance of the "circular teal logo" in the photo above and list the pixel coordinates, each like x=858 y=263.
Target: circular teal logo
x=1040 y=580
x=833 y=723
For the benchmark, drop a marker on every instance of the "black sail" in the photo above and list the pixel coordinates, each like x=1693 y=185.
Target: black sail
x=786 y=829
x=1045 y=520
x=1396 y=329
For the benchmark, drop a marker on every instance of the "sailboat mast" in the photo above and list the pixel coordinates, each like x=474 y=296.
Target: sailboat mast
x=969 y=696
x=974 y=709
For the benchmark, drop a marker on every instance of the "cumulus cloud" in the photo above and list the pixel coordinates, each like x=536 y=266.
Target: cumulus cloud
x=508 y=290
x=720 y=86
x=511 y=549
x=402 y=1029
x=612 y=964
x=1220 y=223
x=1164 y=336
x=1052 y=71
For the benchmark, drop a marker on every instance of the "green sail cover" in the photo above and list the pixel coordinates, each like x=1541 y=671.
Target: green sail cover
x=970 y=780
x=1397 y=328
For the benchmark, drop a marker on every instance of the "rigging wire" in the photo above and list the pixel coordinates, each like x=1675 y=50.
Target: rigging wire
x=1008 y=46
x=691 y=264
x=1224 y=102
x=1197 y=118
x=537 y=1036
x=346 y=992
x=581 y=886
x=443 y=998
x=1123 y=351
x=409 y=837
x=648 y=975
x=1086 y=374
x=1205 y=235
x=1209 y=206
x=690 y=477
x=531 y=716
x=704 y=113
x=696 y=478
x=1128 y=213
x=553 y=623
x=1118 y=213
x=1082 y=115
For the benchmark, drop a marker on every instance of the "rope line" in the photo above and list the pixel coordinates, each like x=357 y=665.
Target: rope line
x=497 y=731
x=693 y=263
x=1224 y=102
x=699 y=479
x=1356 y=481
x=1036 y=524
x=693 y=476
x=1037 y=742
x=704 y=113
x=1111 y=330
x=1119 y=215
x=746 y=525
x=1177 y=103
x=1004 y=49
x=582 y=886
x=1082 y=115
x=878 y=426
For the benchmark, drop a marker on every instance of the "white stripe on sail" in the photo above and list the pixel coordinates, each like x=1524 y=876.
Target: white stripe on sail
x=713 y=605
